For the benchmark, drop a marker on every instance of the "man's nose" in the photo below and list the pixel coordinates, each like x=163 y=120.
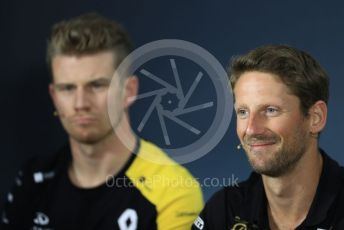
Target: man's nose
x=82 y=99
x=255 y=124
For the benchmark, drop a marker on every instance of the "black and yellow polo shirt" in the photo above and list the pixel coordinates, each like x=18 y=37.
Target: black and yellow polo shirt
x=143 y=195
x=245 y=207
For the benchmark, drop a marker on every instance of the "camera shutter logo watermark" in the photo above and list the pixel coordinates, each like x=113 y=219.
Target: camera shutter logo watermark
x=173 y=100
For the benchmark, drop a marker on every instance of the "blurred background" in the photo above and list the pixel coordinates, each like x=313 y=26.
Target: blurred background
x=223 y=28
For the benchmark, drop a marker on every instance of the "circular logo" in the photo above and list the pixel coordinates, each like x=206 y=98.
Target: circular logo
x=190 y=111
x=239 y=226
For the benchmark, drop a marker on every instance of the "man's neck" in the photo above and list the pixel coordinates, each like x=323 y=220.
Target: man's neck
x=92 y=164
x=290 y=196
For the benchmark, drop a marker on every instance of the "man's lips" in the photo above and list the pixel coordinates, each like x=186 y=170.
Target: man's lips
x=83 y=120
x=261 y=145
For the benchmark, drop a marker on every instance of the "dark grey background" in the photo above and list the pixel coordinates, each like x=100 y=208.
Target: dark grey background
x=224 y=28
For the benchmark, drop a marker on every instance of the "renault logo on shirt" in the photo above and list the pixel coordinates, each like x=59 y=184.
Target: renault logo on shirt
x=41 y=219
x=199 y=223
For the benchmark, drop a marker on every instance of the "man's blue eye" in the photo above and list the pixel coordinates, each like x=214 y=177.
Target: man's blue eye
x=271 y=110
x=242 y=113
x=99 y=85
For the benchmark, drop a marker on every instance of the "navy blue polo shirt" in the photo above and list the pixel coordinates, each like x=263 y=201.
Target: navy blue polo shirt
x=245 y=206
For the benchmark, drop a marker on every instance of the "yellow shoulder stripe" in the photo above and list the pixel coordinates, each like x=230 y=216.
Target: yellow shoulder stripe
x=175 y=193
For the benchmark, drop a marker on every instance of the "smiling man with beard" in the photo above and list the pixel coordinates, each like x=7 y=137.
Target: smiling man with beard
x=98 y=181
x=281 y=96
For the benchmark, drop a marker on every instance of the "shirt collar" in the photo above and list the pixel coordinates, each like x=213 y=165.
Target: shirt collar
x=330 y=183
x=253 y=208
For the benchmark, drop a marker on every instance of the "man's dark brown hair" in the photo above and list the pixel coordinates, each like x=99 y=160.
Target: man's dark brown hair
x=301 y=73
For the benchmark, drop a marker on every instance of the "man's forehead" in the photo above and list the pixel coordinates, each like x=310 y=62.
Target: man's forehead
x=82 y=69
x=106 y=53
x=259 y=82
x=86 y=61
x=286 y=101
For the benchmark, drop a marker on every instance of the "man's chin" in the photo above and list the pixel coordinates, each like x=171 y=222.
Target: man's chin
x=267 y=171
x=86 y=139
x=262 y=166
x=90 y=136
x=270 y=168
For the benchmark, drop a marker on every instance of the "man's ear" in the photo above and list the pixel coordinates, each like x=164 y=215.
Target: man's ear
x=131 y=87
x=52 y=93
x=318 y=117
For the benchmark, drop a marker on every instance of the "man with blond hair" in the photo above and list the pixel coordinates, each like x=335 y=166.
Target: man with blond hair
x=97 y=181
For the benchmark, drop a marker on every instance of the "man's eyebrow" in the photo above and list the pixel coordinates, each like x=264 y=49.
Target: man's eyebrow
x=98 y=80
x=61 y=85
x=261 y=105
x=235 y=104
